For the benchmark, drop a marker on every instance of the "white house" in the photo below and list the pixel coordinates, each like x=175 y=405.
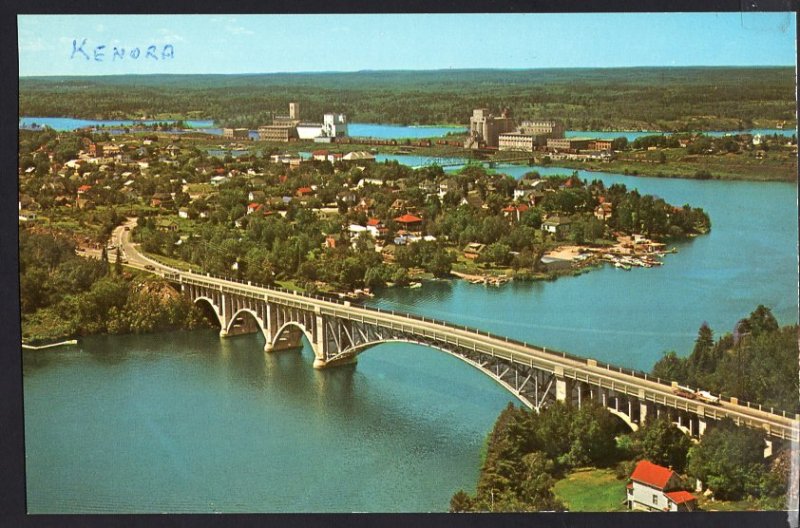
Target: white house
x=656 y=488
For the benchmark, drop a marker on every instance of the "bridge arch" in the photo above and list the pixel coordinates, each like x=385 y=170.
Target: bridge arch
x=289 y=335
x=361 y=348
x=250 y=313
x=214 y=308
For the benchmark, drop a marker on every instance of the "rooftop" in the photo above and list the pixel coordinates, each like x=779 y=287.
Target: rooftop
x=652 y=474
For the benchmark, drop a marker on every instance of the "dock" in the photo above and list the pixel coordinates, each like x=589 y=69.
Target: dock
x=50 y=345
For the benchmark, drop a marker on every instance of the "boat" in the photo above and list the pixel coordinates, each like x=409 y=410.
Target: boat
x=415 y=285
x=622 y=266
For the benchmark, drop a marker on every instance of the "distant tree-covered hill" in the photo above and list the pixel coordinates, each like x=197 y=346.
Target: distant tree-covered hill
x=625 y=98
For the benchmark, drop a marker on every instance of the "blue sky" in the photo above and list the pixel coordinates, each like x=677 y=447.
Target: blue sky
x=292 y=43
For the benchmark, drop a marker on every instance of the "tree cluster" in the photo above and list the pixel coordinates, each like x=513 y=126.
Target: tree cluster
x=66 y=295
x=526 y=451
x=757 y=362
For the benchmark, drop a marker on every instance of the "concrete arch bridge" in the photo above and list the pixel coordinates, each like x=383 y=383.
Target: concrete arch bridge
x=339 y=331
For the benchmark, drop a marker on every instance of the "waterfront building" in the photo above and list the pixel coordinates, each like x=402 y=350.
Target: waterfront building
x=569 y=144
x=485 y=128
x=545 y=128
x=557 y=225
x=334 y=125
x=236 y=133
x=656 y=488
x=516 y=141
x=600 y=144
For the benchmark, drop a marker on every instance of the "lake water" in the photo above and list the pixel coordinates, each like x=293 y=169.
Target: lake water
x=379 y=131
x=208 y=126
x=399 y=131
x=750 y=257
x=187 y=422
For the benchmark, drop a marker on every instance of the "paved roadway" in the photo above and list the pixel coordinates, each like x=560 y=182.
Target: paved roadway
x=584 y=370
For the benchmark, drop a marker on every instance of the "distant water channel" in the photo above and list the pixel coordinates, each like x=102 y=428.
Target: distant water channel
x=187 y=422
x=379 y=131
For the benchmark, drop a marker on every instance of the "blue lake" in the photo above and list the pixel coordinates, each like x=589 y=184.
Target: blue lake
x=379 y=131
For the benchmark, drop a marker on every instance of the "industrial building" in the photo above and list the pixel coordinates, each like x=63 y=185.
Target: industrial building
x=516 y=141
x=485 y=128
x=277 y=133
x=531 y=134
x=548 y=128
x=236 y=133
x=569 y=144
x=287 y=127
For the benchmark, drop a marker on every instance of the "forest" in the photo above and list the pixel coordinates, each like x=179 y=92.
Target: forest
x=64 y=295
x=756 y=361
x=668 y=99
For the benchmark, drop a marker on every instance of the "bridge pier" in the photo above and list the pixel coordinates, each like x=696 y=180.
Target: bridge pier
x=564 y=388
x=320 y=363
x=643 y=408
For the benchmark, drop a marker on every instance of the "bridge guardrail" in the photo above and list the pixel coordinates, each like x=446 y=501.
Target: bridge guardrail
x=545 y=350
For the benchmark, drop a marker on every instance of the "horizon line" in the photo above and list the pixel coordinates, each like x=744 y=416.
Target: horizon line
x=405 y=70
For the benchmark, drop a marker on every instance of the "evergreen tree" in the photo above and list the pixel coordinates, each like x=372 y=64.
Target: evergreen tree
x=118 y=262
x=461 y=502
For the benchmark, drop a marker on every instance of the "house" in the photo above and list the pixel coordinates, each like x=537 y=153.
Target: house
x=656 y=488
x=83 y=189
x=305 y=191
x=320 y=155
x=409 y=222
x=183 y=212
x=473 y=199
x=473 y=250
x=253 y=207
x=166 y=226
x=603 y=211
x=375 y=227
x=514 y=212
x=556 y=225
x=161 y=200
x=256 y=196
x=358 y=156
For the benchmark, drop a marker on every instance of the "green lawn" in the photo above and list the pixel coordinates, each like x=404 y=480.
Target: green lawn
x=591 y=490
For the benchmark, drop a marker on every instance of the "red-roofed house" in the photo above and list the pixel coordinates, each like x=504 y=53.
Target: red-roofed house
x=514 y=212
x=320 y=155
x=305 y=191
x=253 y=207
x=656 y=488
x=409 y=222
x=84 y=188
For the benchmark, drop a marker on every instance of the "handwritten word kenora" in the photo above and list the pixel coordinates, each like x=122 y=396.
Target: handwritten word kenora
x=103 y=53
